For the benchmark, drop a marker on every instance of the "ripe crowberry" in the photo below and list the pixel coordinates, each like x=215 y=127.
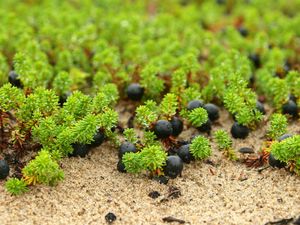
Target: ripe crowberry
x=135 y=92
x=212 y=111
x=4 y=169
x=163 y=129
x=177 y=126
x=239 y=131
x=174 y=166
x=185 y=154
x=126 y=147
x=195 y=104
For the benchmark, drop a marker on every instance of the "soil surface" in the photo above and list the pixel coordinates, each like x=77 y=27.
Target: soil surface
x=212 y=192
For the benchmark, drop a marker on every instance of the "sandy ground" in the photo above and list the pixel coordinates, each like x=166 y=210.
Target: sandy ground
x=224 y=193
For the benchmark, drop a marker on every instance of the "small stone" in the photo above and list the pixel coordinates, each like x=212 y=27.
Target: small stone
x=110 y=217
x=245 y=150
x=154 y=194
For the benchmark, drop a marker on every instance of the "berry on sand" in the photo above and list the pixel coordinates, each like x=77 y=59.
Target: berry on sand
x=98 y=139
x=185 y=154
x=163 y=129
x=80 y=150
x=212 y=111
x=275 y=162
x=239 y=131
x=126 y=147
x=174 y=166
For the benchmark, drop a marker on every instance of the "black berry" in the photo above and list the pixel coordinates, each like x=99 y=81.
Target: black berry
x=275 y=162
x=135 y=92
x=239 y=131
x=206 y=127
x=255 y=59
x=63 y=98
x=293 y=98
x=285 y=136
x=243 y=31
x=98 y=139
x=185 y=154
x=163 y=129
x=126 y=147
x=174 y=166
x=195 y=104
x=110 y=217
x=121 y=166
x=14 y=79
x=260 y=107
x=212 y=110
x=80 y=150
x=290 y=108
x=177 y=126
x=4 y=169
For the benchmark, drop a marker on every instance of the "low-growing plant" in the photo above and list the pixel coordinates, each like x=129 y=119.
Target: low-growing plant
x=288 y=151
x=224 y=143
x=200 y=147
x=16 y=186
x=43 y=169
x=278 y=126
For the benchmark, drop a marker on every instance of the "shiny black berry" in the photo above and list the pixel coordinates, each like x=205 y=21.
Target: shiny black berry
x=4 y=169
x=184 y=153
x=135 y=92
x=98 y=139
x=163 y=129
x=14 y=79
x=290 y=108
x=285 y=136
x=195 y=104
x=121 y=166
x=80 y=150
x=174 y=166
x=239 y=131
x=275 y=162
x=206 y=127
x=126 y=147
x=260 y=107
x=177 y=126
x=212 y=111
x=255 y=59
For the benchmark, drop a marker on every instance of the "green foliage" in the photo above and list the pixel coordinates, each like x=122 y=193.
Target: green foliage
x=77 y=105
x=147 y=114
x=43 y=169
x=223 y=140
x=288 y=151
x=293 y=81
x=150 y=81
x=224 y=143
x=133 y=162
x=241 y=102
x=149 y=158
x=278 y=126
x=149 y=139
x=200 y=147
x=15 y=186
x=197 y=117
x=62 y=83
x=168 y=105
x=130 y=135
x=10 y=98
x=153 y=157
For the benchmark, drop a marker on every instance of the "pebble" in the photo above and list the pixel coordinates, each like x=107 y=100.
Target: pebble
x=245 y=150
